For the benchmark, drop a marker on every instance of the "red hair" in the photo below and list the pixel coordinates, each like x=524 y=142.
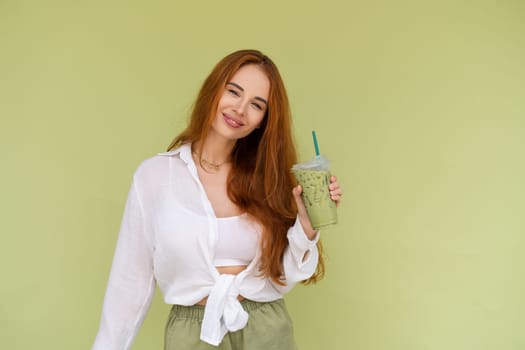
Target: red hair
x=260 y=182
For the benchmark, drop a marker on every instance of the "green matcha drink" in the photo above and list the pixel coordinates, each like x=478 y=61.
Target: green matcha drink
x=314 y=178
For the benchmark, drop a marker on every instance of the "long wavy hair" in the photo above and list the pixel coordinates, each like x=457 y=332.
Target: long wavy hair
x=260 y=182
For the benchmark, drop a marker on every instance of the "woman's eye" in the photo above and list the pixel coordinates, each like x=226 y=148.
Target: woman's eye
x=258 y=106
x=233 y=92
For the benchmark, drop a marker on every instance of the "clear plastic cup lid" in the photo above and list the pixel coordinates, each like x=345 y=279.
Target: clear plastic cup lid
x=316 y=163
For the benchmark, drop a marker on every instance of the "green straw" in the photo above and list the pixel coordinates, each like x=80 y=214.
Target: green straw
x=315 y=144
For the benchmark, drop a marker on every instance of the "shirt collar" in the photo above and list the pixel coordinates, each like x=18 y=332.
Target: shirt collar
x=184 y=150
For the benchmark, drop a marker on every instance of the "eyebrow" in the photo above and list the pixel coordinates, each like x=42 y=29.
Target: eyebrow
x=240 y=88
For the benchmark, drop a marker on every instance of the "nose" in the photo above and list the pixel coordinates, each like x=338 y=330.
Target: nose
x=240 y=107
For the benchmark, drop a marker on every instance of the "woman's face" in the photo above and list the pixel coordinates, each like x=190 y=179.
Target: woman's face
x=243 y=103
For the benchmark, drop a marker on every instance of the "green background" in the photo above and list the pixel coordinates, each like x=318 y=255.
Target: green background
x=419 y=104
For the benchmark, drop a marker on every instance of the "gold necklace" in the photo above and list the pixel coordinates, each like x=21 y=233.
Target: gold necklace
x=209 y=167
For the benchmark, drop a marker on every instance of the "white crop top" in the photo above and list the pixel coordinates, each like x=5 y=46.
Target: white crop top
x=236 y=243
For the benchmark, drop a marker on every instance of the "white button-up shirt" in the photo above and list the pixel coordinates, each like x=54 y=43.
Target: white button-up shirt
x=167 y=237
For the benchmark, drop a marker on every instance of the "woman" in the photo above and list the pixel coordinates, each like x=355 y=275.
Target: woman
x=217 y=223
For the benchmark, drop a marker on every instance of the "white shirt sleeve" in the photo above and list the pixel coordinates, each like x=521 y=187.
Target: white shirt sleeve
x=131 y=281
x=300 y=257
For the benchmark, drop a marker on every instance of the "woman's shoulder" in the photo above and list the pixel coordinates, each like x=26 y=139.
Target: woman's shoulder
x=156 y=167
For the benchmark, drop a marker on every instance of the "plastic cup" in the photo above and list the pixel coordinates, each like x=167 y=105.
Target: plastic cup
x=314 y=178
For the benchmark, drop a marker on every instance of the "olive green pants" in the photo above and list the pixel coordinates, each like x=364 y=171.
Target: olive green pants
x=269 y=328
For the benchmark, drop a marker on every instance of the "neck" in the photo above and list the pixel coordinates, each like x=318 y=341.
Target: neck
x=215 y=150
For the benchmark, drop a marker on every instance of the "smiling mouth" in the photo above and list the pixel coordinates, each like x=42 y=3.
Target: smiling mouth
x=231 y=122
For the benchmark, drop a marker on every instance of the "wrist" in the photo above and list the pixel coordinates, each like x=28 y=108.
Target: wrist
x=311 y=234
x=309 y=231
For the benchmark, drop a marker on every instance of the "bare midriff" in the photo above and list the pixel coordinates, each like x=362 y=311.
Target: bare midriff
x=229 y=270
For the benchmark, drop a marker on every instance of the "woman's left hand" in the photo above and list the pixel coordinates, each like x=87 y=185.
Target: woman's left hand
x=335 y=193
